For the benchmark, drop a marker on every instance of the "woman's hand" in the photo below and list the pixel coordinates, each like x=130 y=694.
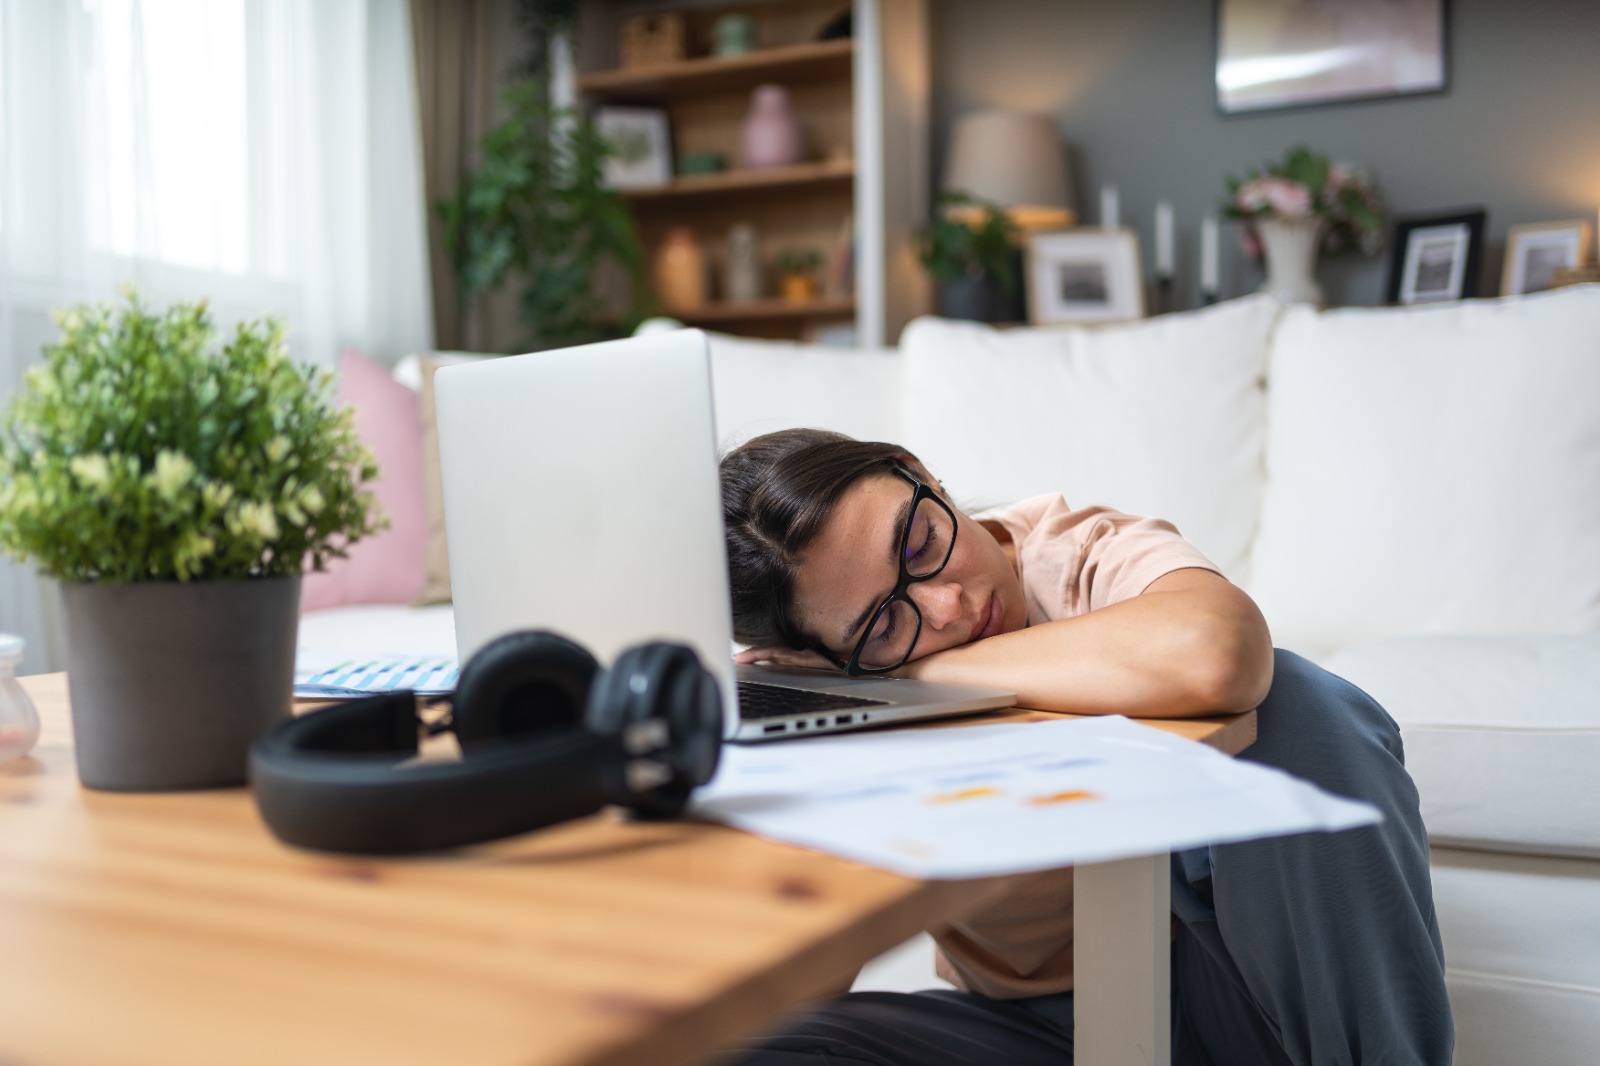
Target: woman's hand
x=776 y=656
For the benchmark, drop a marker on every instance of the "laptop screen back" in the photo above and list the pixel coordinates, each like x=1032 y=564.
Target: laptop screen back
x=581 y=495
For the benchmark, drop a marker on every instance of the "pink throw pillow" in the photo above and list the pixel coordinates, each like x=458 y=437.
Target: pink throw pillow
x=386 y=567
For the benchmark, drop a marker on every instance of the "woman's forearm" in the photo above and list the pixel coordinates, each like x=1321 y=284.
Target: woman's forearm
x=1192 y=644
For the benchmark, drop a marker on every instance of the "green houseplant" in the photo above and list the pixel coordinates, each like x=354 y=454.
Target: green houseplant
x=797 y=273
x=177 y=490
x=969 y=251
x=537 y=214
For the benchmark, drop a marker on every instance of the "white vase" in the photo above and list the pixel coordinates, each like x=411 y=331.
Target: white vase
x=1290 y=249
x=742 y=277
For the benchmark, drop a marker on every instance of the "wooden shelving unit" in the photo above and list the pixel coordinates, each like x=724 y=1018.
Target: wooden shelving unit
x=854 y=198
x=833 y=172
x=809 y=61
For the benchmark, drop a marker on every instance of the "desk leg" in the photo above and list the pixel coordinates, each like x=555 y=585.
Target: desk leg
x=1122 y=962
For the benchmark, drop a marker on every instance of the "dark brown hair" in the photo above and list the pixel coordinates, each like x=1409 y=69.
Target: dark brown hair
x=777 y=492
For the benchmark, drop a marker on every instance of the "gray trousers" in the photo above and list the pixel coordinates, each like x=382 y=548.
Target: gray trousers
x=1315 y=948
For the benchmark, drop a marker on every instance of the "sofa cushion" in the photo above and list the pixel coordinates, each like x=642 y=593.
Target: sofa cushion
x=1161 y=417
x=1433 y=470
x=387 y=566
x=1502 y=734
x=375 y=630
x=436 y=581
x=759 y=386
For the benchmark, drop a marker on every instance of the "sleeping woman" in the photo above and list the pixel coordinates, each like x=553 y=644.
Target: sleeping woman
x=1314 y=948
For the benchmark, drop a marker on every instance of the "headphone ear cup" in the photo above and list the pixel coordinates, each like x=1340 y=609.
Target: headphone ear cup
x=608 y=706
x=522 y=683
x=695 y=711
x=665 y=682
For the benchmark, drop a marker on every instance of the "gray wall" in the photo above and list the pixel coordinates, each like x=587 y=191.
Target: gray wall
x=1517 y=131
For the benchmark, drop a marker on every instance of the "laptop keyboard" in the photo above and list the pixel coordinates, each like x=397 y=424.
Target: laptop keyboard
x=757 y=700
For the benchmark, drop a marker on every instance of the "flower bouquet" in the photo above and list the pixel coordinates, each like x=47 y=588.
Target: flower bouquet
x=1304 y=187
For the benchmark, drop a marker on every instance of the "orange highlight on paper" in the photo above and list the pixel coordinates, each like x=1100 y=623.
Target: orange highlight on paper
x=1061 y=797
x=964 y=794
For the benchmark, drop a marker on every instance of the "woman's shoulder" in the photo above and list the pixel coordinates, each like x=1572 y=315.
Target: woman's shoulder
x=1050 y=515
x=1023 y=515
x=1048 y=525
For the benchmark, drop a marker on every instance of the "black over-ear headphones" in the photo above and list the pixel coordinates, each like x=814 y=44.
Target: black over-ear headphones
x=545 y=734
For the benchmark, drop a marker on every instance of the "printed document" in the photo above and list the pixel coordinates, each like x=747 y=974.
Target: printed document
x=982 y=800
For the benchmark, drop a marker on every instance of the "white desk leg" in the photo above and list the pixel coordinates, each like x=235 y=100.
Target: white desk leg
x=1122 y=964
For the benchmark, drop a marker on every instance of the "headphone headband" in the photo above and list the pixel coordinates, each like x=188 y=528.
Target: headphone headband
x=643 y=735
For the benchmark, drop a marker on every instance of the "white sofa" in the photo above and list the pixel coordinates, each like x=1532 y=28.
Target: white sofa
x=1413 y=497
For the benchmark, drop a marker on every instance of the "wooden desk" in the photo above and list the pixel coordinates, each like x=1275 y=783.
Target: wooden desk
x=172 y=928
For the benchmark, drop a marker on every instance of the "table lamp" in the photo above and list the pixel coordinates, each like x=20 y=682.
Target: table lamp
x=1015 y=161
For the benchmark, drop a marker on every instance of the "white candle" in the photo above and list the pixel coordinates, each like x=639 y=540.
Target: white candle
x=1208 y=255
x=1164 y=256
x=1110 y=212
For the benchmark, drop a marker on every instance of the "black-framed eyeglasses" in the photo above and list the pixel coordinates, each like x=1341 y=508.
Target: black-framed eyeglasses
x=926 y=541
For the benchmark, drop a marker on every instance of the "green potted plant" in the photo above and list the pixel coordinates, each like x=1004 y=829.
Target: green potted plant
x=537 y=214
x=797 y=273
x=969 y=249
x=177 y=490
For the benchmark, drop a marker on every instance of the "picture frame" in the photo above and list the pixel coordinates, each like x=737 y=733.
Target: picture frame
x=1535 y=251
x=1277 y=54
x=1436 y=258
x=1084 y=275
x=642 y=143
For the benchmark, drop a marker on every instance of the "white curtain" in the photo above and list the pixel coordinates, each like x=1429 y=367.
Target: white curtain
x=261 y=154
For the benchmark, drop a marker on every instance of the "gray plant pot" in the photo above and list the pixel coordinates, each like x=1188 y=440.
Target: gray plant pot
x=170 y=681
x=969 y=298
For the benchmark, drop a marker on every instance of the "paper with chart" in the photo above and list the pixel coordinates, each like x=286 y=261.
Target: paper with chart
x=975 y=801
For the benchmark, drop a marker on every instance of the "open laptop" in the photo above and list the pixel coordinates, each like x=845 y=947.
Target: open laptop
x=581 y=495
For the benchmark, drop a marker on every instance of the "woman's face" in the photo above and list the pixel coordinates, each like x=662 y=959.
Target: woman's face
x=852 y=567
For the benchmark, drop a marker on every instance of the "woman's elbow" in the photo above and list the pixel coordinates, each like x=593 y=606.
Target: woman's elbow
x=1234 y=669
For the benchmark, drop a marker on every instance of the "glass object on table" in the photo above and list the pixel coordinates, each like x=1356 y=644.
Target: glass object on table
x=19 y=722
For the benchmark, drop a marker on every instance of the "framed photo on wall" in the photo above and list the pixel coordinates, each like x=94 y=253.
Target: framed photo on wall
x=1535 y=251
x=641 y=146
x=1084 y=275
x=1274 y=54
x=1436 y=258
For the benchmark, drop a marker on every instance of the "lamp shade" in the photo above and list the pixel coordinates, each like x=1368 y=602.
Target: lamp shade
x=1015 y=161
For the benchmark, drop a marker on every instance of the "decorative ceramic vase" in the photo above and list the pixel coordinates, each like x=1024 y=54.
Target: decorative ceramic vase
x=742 y=279
x=171 y=681
x=681 y=271
x=692 y=163
x=771 y=135
x=1290 y=249
x=735 y=35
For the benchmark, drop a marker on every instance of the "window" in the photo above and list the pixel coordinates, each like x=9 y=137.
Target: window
x=168 y=81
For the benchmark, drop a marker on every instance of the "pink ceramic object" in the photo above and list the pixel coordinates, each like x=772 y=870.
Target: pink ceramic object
x=771 y=135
